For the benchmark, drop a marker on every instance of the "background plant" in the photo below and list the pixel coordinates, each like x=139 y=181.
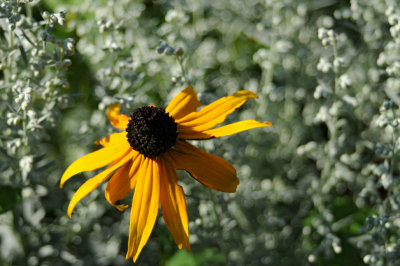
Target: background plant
x=321 y=187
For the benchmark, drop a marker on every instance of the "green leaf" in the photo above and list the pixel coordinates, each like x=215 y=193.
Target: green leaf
x=9 y=197
x=208 y=256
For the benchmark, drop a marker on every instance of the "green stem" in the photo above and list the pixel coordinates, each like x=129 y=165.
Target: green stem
x=7 y=72
x=28 y=8
x=180 y=61
x=393 y=146
x=25 y=132
x=335 y=68
x=11 y=35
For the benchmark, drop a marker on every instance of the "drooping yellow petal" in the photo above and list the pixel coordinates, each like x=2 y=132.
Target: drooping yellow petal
x=211 y=115
x=93 y=182
x=123 y=181
x=116 y=119
x=144 y=207
x=116 y=146
x=110 y=139
x=210 y=170
x=173 y=204
x=120 y=176
x=189 y=133
x=183 y=103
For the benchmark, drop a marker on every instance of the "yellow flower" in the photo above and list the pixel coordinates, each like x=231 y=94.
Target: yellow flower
x=146 y=155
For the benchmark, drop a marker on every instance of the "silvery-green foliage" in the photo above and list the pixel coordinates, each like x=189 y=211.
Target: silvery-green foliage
x=320 y=187
x=33 y=65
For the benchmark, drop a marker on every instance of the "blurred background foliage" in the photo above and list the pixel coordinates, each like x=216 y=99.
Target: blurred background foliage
x=319 y=188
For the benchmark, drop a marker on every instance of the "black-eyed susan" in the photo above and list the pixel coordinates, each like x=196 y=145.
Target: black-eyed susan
x=146 y=155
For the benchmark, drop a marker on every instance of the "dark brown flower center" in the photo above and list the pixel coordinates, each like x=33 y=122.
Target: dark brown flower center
x=151 y=131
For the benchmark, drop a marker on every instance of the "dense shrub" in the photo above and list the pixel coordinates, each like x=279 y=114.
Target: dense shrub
x=320 y=187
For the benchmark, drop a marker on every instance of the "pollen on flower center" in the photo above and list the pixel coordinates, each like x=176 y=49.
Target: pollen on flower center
x=151 y=131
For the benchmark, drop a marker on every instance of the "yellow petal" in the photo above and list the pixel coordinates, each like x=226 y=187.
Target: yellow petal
x=123 y=181
x=183 y=103
x=110 y=139
x=211 y=115
x=173 y=204
x=144 y=207
x=93 y=182
x=116 y=146
x=188 y=133
x=116 y=119
x=210 y=170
